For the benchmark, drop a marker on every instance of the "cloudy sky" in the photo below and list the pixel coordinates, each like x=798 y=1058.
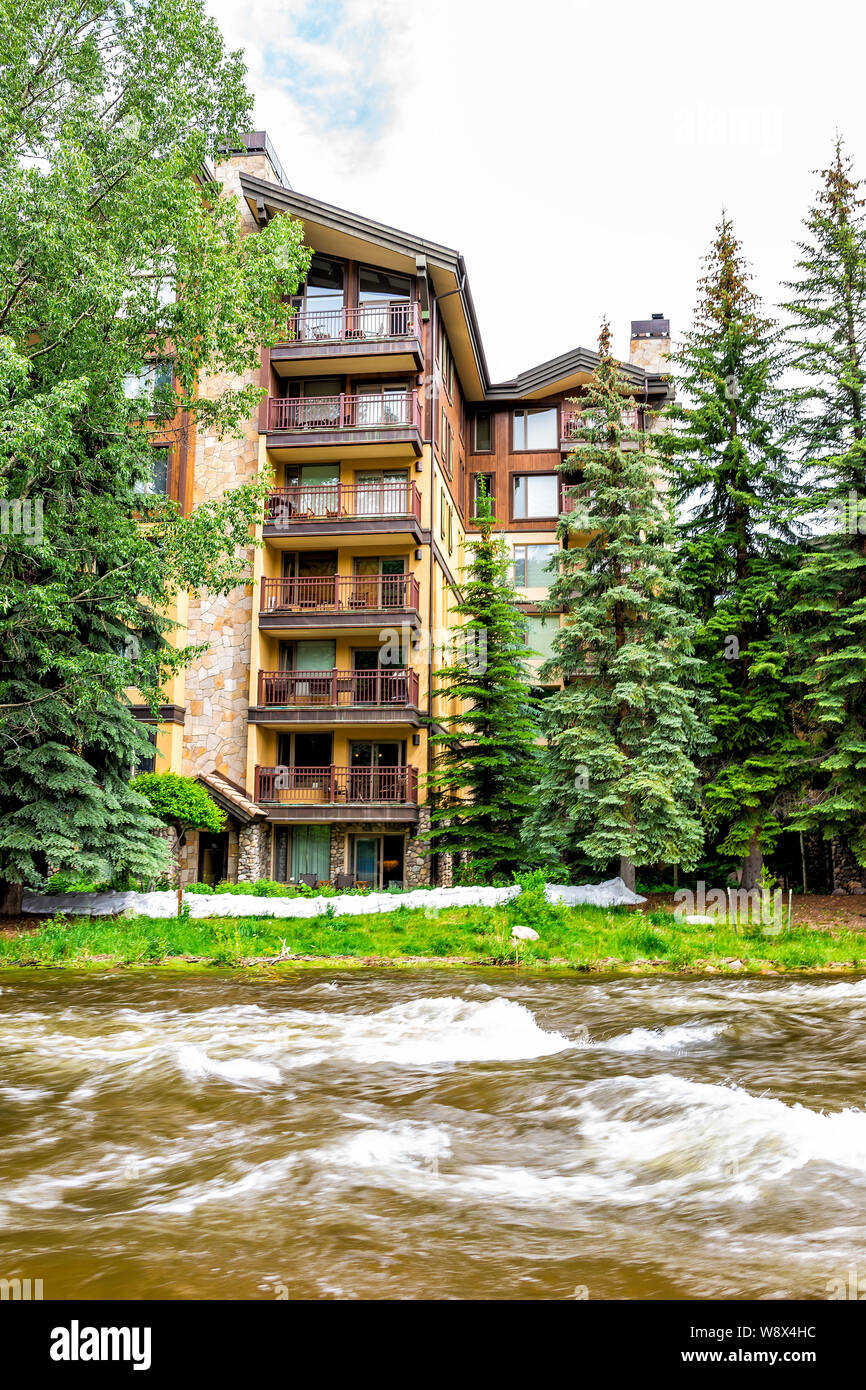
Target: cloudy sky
x=577 y=154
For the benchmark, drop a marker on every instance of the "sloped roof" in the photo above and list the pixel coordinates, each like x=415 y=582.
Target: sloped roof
x=230 y=797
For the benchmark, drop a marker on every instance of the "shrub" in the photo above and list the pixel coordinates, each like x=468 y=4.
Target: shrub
x=179 y=801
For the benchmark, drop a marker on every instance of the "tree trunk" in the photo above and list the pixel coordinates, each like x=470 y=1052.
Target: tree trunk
x=753 y=863
x=626 y=872
x=10 y=899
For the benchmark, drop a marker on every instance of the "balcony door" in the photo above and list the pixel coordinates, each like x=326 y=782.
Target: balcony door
x=382 y=492
x=378 y=859
x=384 y=303
x=375 y=772
x=375 y=682
x=380 y=581
x=316 y=403
x=382 y=403
x=312 y=490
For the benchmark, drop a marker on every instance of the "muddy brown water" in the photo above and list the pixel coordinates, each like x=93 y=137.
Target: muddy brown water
x=442 y=1134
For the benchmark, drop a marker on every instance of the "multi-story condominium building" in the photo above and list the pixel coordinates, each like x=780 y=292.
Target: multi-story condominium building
x=307 y=719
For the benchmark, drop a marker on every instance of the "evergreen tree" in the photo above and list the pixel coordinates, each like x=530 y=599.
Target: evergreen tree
x=731 y=481
x=485 y=758
x=618 y=778
x=108 y=110
x=829 y=308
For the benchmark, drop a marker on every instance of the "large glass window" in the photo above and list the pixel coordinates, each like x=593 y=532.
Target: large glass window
x=535 y=495
x=311 y=851
x=536 y=429
x=382 y=284
x=324 y=284
x=530 y=566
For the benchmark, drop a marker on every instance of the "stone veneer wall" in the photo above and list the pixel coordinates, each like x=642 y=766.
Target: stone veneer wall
x=848 y=875
x=217 y=684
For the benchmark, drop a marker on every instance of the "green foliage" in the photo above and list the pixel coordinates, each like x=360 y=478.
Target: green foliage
x=107 y=112
x=582 y=938
x=828 y=306
x=179 y=801
x=724 y=449
x=618 y=777
x=485 y=759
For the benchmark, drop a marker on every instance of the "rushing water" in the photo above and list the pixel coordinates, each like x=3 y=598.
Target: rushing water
x=438 y=1134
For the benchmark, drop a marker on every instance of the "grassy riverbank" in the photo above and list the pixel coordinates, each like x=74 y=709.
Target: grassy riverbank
x=583 y=938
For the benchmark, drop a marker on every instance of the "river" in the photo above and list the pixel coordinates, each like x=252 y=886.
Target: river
x=431 y=1134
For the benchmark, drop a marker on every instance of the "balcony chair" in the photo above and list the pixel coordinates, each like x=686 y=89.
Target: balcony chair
x=311 y=880
x=344 y=880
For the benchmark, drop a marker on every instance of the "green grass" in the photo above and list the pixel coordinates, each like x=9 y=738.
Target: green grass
x=581 y=938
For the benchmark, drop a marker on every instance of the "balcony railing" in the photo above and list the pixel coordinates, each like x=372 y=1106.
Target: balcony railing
x=300 y=786
x=575 y=495
x=391 y=410
x=333 y=594
x=362 y=322
x=336 y=501
x=575 y=420
x=382 y=688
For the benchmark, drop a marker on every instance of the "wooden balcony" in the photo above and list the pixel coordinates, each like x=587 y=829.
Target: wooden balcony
x=387 y=425
x=574 y=421
x=337 y=603
x=344 y=509
x=381 y=336
x=385 y=696
x=338 y=793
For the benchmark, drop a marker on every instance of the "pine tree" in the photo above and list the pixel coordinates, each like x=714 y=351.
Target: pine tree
x=829 y=308
x=619 y=781
x=730 y=478
x=485 y=758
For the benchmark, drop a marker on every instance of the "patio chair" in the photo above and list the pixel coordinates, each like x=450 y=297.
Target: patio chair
x=344 y=881
x=311 y=880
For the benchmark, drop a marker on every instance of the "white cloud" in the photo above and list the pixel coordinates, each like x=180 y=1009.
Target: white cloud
x=577 y=154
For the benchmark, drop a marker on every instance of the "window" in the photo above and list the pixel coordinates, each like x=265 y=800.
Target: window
x=482 y=433
x=536 y=429
x=530 y=565
x=146 y=762
x=442 y=512
x=153 y=379
x=450 y=530
x=157 y=484
x=324 y=284
x=445 y=360
x=382 y=284
x=535 y=494
x=482 y=484
x=540 y=633
x=446 y=445
x=311 y=851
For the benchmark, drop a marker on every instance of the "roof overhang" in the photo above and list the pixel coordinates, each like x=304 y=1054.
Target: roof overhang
x=333 y=231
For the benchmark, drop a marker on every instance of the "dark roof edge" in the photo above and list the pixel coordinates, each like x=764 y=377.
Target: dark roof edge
x=405 y=243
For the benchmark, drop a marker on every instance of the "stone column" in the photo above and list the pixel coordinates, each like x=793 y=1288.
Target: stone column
x=254 y=844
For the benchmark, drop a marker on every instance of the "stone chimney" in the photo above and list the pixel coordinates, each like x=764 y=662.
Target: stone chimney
x=258 y=157
x=650 y=343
